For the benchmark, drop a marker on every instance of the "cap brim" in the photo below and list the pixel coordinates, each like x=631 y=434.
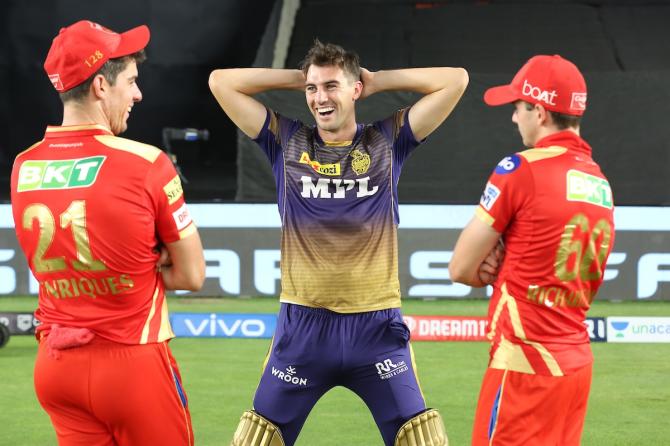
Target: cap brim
x=503 y=94
x=132 y=41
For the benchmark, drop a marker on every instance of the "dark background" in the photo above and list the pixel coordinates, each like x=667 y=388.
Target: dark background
x=622 y=47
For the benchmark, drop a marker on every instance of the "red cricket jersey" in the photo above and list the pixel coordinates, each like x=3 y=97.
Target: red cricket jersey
x=89 y=210
x=554 y=207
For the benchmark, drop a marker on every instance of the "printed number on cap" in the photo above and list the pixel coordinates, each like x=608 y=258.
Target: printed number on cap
x=508 y=164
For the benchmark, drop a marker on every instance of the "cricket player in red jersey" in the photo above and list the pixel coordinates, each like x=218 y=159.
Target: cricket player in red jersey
x=104 y=226
x=551 y=207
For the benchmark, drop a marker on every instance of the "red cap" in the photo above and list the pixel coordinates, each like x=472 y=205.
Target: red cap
x=79 y=50
x=551 y=81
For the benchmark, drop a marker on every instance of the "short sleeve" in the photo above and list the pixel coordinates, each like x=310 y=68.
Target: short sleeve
x=397 y=130
x=275 y=130
x=507 y=190
x=172 y=218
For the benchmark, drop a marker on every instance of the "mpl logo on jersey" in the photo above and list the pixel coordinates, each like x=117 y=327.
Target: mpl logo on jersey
x=220 y=325
x=489 y=196
x=59 y=174
x=588 y=189
x=638 y=329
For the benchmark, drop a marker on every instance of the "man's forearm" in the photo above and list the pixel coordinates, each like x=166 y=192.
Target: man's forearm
x=420 y=80
x=251 y=81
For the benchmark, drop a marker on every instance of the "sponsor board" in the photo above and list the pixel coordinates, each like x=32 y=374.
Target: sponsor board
x=466 y=328
x=19 y=323
x=596 y=328
x=241 y=243
x=223 y=325
x=446 y=328
x=638 y=329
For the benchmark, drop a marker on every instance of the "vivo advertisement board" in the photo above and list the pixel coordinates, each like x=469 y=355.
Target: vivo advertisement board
x=241 y=244
x=223 y=325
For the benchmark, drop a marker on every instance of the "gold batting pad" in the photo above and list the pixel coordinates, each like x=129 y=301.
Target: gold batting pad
x=254 y=430
x=425 y=429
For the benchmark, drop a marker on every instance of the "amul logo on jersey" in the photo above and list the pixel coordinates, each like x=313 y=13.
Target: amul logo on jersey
x=388 y=369
x=290 y=376
x=59 y=174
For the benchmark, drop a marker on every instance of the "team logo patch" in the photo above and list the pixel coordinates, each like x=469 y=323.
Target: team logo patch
x=289 y=376
x=508 y=164
x=182 y=217
x=324 y=169
x=588 y=188
x=388 y=369
x=57 y=83
x=360 y=162
x=489 y=197
x=59 y=174
x=173 y=189
x=578 y=101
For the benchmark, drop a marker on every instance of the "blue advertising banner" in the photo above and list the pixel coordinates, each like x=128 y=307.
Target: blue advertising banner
x=223 y=325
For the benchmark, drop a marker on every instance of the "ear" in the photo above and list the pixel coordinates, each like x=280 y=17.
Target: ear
x=358 y=89
x=541 y=114
x=99 y=86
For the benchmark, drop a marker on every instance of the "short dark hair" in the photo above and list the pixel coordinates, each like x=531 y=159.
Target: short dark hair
x=561 y=120
x=325 y=54
x=110 y=70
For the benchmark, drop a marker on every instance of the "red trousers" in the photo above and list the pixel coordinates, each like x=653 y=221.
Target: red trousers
x=104 y=394
x=531 y=410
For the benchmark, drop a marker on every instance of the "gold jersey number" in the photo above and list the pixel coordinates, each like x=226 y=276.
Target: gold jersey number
x=589 y=252
x=75 y=218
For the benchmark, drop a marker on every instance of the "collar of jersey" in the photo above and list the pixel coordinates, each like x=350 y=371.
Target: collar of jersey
x=566 y=138
x=321 y=142
x=60 y=131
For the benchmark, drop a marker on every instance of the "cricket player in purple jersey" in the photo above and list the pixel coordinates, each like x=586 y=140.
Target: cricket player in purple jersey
x=340 y=322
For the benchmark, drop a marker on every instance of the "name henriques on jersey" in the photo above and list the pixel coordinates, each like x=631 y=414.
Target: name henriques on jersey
x=339 y=210
x=554 y=207
x=89 y=210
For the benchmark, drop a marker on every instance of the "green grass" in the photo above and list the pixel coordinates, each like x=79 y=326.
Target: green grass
x=629 y=405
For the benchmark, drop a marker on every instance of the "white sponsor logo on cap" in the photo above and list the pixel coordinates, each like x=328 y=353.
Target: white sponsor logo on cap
x=546 y=96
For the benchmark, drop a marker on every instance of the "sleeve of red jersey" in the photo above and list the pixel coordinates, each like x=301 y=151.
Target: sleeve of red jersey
x=508 y=187
x=173 y=220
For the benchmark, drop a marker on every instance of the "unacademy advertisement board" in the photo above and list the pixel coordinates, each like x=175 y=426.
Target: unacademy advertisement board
x=241 y=244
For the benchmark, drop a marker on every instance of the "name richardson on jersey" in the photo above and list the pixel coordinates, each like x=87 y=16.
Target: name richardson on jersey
x=59 y=174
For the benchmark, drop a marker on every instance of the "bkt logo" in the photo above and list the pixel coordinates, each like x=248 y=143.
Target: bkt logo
x=536 y=93
x=218 y=325
x=387 y=369
x=59 y=174
x=336 y=187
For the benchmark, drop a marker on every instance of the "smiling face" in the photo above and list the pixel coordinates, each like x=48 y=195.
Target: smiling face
x=331 y=96
x=121 y=97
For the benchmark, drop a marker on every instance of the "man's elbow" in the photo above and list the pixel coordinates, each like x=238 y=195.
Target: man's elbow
x=215 y=80
x=196 y=278
x=462 y=79
x=458 y=273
